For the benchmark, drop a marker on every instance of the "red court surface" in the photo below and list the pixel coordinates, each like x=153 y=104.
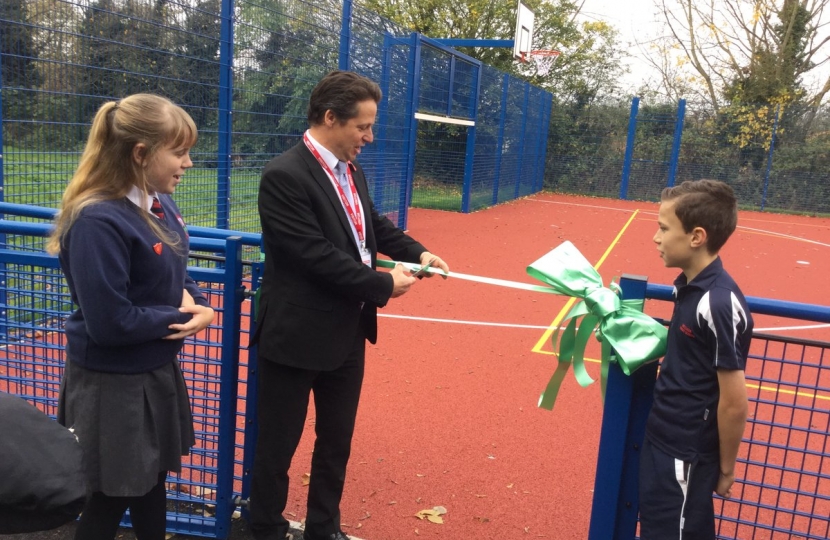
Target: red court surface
x=448 y=415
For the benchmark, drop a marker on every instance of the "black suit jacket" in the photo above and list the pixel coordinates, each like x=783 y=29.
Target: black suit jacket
x=314 y=282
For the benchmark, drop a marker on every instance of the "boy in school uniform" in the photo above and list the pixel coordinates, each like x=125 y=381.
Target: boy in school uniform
x=695 y=426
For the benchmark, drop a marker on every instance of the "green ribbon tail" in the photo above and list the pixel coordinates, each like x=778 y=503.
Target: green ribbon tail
x=586 y=329
x=605 y=365
x=564 y=356
x=548 y=397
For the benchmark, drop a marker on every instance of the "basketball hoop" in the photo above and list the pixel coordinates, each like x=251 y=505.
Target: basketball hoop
x=544 y=59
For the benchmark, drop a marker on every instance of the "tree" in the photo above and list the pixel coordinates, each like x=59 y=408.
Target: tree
x=195 y=64
x=282 y=49
x=588 y=66
x=748 y=52
x=19 y=61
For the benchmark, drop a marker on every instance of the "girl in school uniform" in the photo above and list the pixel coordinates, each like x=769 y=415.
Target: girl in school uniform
x=123 y=248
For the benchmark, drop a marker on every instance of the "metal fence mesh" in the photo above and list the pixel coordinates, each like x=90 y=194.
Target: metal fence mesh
x=32 y=341
x=784 y=463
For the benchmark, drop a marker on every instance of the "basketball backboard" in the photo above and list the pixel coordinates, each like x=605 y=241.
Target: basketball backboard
x=523 y=41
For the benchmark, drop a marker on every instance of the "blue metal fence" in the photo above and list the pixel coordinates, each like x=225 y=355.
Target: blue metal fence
x=782 y=487
x=32 y=337
x=775 y=158
x=244 y=70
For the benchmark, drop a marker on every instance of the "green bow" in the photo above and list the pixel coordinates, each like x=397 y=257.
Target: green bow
x=627 y=335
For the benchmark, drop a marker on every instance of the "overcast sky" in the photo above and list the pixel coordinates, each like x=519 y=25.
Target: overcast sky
x=640 y=21
x=636 y=20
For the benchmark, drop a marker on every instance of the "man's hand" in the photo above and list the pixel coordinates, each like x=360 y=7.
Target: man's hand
x=402 y=280
x=436 y=262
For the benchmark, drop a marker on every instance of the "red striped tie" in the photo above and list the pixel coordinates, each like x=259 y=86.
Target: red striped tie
x=157 y=209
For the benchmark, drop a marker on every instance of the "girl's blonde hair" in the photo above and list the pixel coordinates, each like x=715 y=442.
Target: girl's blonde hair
x=107 y=169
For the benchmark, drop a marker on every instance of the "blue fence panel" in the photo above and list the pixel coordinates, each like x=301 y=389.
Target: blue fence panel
x=513 y=141
x=383 y=51
x=32 y=340
x=654 y=136
x=489 y=133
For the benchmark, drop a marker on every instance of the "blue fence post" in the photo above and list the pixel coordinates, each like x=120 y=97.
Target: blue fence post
x=3 y=276
x=629 y=147
x=383 y=118
x=345 y=35
x=675 y=147
x=500 y=149
x=232 y=296
x=769 y=157
x=412 y=107
x=223 y=159
x=627 y=402
x=252 y=392
x=470 y=155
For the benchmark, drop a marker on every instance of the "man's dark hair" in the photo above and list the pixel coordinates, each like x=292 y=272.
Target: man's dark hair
x=708 y=204
x=340 y=92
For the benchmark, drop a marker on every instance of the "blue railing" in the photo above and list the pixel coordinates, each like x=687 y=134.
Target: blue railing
x=36 y=302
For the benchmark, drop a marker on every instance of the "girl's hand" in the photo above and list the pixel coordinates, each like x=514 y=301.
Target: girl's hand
x=202 y=317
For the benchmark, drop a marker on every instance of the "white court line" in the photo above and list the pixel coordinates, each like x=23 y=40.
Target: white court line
x=773 y=233
x=535 y=327
x=805 y=327
x=786 y=236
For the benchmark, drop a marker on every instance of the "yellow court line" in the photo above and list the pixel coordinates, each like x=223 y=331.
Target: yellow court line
x=772 y=389
x=811 y=395
x=555 y=324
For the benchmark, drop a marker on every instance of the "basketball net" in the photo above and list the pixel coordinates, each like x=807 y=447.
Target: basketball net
x=544 y=59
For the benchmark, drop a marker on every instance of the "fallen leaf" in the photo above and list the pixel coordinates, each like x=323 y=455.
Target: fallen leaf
x=306 y=479
x=433 y=514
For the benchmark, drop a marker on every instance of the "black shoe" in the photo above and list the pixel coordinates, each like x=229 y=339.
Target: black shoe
x=339 y=535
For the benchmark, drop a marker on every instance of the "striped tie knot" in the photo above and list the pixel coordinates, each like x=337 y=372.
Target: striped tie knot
x=156 y=208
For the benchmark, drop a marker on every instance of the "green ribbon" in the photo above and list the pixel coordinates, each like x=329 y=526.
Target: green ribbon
x=627 y=335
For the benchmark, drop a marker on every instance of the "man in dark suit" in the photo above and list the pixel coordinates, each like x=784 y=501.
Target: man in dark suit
x=320 y=293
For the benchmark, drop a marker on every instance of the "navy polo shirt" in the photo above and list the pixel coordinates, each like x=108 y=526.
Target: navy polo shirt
x=711 y=329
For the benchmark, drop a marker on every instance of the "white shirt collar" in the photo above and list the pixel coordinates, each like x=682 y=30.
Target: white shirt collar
x=135 y=196
x=330 y=159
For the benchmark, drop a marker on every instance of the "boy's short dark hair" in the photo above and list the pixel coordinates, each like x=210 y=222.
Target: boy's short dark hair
x=709 y=204
x=340 y=92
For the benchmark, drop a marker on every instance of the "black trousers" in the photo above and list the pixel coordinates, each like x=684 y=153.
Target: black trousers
x=676 y=496
x=282 y=406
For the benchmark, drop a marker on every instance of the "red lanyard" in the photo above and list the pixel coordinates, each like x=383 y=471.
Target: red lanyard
x=354 y=213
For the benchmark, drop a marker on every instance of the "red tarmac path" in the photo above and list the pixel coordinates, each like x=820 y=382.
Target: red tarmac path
x=448 y=415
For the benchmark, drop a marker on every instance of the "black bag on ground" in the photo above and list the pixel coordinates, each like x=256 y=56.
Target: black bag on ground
x=42 y=482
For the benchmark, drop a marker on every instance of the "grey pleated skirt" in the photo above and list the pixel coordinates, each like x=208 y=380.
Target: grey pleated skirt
x=131 y=427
